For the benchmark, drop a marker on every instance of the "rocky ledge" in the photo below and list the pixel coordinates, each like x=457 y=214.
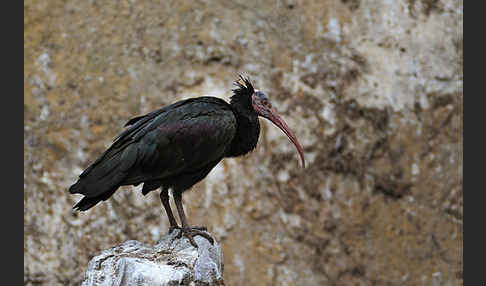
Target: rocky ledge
x=172 y=261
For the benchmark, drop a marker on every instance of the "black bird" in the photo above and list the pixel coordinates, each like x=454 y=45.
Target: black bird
x=177 y=146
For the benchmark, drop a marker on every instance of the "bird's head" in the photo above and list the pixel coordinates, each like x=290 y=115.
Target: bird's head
x=261 y=105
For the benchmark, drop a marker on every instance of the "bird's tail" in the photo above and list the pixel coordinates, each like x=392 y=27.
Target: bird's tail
x=100 y=180
x=86 y=203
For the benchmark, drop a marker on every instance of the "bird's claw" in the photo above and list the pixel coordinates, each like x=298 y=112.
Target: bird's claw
x=190 y=232
x=203 y=228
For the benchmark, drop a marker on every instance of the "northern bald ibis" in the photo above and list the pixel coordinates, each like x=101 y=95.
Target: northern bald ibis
x=177 y=146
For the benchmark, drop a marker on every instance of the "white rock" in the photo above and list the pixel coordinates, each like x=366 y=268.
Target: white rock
x=170 y=262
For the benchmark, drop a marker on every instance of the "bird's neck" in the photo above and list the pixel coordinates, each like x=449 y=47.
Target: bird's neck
x=247 y=132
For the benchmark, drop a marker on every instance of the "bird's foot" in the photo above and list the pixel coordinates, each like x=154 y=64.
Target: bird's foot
x=203 y=228
x=190 y=232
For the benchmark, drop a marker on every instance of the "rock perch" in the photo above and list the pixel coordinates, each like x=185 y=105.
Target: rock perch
x=172 y=261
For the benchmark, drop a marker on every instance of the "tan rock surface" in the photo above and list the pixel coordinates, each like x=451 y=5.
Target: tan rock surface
x=373 y=90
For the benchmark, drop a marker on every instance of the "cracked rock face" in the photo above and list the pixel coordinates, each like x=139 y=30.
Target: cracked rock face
x=171 y=261
x=372 y=89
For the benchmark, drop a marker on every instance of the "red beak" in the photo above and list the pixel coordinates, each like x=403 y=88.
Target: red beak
x=277 y=120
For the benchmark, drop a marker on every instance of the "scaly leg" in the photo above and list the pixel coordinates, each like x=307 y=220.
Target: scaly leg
x=164 y=198
x=187 y=230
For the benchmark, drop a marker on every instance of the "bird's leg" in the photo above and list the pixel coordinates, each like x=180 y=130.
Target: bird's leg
x=187 y=230
x=164 y=198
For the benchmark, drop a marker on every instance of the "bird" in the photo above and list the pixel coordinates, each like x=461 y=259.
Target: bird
x=176 y=146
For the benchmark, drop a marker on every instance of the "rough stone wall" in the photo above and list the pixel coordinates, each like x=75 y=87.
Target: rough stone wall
x=373 y=90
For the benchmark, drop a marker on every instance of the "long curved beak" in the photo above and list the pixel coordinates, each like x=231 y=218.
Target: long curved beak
x=275 y=118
